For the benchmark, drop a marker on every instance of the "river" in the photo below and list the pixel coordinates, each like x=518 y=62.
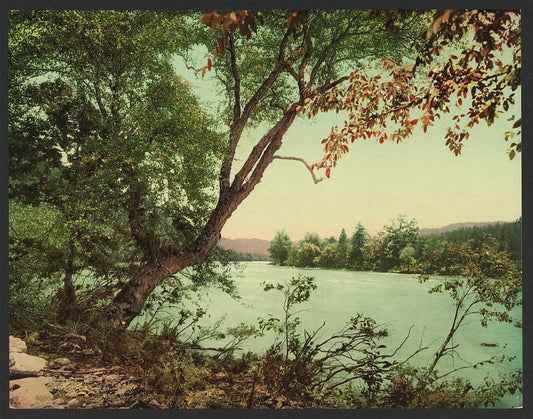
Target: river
x=397 y=301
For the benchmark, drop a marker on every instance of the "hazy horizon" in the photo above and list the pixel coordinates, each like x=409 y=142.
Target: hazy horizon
x=373 y=233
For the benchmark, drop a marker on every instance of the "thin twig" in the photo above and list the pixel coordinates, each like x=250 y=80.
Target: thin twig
x=315 y=179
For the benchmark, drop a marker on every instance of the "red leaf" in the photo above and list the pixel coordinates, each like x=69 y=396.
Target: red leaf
x=221 y=45
x=209 y=64
x=328 y=171
x=206 y=18
x=517 y=123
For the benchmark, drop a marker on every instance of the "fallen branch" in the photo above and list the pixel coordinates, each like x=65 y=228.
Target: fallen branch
x=315 y=179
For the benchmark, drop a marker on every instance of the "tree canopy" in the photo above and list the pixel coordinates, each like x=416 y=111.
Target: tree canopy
x=104 y=132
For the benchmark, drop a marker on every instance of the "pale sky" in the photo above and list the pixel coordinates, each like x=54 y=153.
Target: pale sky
x=374 y=183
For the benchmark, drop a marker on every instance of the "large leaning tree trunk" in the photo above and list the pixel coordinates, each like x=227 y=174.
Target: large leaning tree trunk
x=129 y=302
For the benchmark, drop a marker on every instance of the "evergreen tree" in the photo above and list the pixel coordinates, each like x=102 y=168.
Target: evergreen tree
x=342 y=249
x=355 y=252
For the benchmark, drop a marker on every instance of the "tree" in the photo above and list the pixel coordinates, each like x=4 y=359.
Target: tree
x=342 y=249
x=313 y=238
x=280 y=247
x=329 y=257
x=400 y=234
x=308 y=255
x=433 y=255
x=407 y=258
x=103 y=130
x=355 y=251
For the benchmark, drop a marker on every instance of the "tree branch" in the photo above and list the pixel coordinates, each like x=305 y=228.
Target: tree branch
x=239 y=124
x=326 y=50
x=235 y=133
x=315 y=179
x=325 y=87
x=236 y=77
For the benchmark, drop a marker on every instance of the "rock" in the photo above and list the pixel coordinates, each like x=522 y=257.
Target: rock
x=17 y=345
x=154 y=403
x=72 y=404
x=33 y=339
x=25 y=365
x=62 y=361
x=30 y=393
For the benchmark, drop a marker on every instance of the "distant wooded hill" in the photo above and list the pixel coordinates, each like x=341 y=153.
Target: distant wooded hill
x=456 y=226
x=260 y=247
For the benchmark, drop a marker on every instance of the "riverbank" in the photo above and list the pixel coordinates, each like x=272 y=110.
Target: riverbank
x=162 y=375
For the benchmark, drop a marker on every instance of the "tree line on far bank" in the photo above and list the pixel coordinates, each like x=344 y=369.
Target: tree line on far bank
x=399 y=247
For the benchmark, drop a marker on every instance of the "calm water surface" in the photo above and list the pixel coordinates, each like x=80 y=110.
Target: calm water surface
x=397 y=301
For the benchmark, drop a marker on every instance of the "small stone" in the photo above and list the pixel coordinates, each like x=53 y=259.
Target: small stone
x=33 y=338
x=154 y=403
x=62 y=361
x=17 y=345
x=26 y=365
x=73 y=403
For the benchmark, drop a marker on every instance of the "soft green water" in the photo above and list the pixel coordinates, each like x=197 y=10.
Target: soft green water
x=399 y=301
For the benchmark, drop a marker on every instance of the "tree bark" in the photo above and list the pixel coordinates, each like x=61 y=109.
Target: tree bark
x=68 y=297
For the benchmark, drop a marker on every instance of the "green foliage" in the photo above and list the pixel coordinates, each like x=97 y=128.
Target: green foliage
x=407 y=258
x=509 y=236
x=350 y=369
x=104 y=134
x=433 y=255
x=411 y=387
x=398 y=235
x=38 y=239
x=308 y=255
x=313 y=238
x=280 y=247
x=304 y=366
x=342 y=249
x=488 y=284
x=329 y=258
x=399 y=248
x=328 y=44
x=355 y=252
